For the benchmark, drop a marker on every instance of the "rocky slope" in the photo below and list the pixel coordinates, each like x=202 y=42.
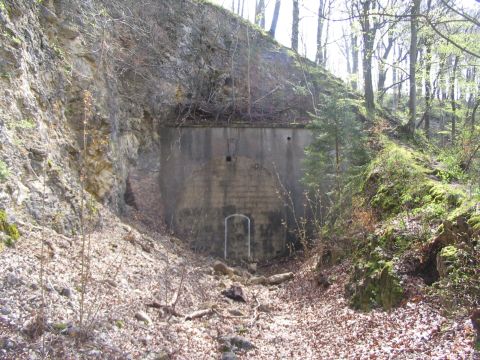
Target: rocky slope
x=88 y=85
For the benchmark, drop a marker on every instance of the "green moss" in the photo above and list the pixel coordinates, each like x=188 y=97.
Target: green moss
x=409 y=200
x=474 y=222
x=448 y=252
x=394 y=179
x=444 y=193
x=399 y=180
x=374 y=284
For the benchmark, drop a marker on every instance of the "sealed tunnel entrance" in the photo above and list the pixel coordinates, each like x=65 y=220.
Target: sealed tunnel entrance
x=200 y=176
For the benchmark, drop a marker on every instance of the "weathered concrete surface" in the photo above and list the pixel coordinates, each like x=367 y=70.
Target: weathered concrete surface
x=199 y=176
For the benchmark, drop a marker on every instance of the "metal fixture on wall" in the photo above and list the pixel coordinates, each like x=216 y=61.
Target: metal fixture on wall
x=226 y=232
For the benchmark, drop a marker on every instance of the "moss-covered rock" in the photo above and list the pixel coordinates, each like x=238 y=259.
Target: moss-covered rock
x=445 y=259
x=374 y=284
x=427 y=227
x=474 y=222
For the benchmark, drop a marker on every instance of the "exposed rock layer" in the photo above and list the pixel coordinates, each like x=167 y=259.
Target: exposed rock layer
x=114 y=73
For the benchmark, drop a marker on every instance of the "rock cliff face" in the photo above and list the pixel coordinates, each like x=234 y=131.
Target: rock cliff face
x=86 y=86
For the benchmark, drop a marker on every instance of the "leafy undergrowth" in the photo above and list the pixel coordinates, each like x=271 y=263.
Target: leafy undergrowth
x=425 y=224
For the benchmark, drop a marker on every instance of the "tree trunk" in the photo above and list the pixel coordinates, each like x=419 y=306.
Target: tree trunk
x=368 y=33
x=382 y=69
x=412 y=101
x=428 y=85
x=442 y=96
x=295 y=24
x=354 y=48
x=326 y=38
x=347 y=52
x=397 y=77
x=453 y=102
x=320 y=21
x=276 y=12
x=260 y=14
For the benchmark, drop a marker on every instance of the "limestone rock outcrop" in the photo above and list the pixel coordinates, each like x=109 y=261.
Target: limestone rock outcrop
x=112 y=74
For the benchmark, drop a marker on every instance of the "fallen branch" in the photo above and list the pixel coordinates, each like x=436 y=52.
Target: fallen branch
x=167 y=309
x=198 y=314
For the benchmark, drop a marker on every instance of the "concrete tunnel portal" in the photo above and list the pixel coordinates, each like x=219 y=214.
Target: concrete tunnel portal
x=197 y=178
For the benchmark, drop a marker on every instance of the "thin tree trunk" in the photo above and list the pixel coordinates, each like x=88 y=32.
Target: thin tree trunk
x=442 y=96
x=327 y=31
x=428 y=86
x=354 y=48
x=397 y=77
x=295 y=25
x=276 y=12
x=472 y=116
x=347 y=52
x=320 y=22
x=337 y=159
x=470 y=77
x=412 y=101
x=249 y=81
x=382 y=69
x=453 y=103
x=260 y=14
x=368 y=41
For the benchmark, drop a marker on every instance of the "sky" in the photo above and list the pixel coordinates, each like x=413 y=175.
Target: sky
x=336 y=62
x=308 y=29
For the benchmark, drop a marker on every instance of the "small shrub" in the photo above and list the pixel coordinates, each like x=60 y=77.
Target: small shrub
x=451 y=169
x=10 y=230
x=59 y=327
x=4 y=172
x=9 y=242
x=25 y=124
x=460 y=287
x=120 y=324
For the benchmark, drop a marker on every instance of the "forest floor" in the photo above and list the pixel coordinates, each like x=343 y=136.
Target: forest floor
x=143 y=285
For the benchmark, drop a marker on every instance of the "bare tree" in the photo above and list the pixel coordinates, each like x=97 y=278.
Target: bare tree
x=324 y=11
x=453 y=103
x=260 y=13
x=276 y=13
x=369 y=26
x=384 y=49
x=295 y=25
x=412 y=100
